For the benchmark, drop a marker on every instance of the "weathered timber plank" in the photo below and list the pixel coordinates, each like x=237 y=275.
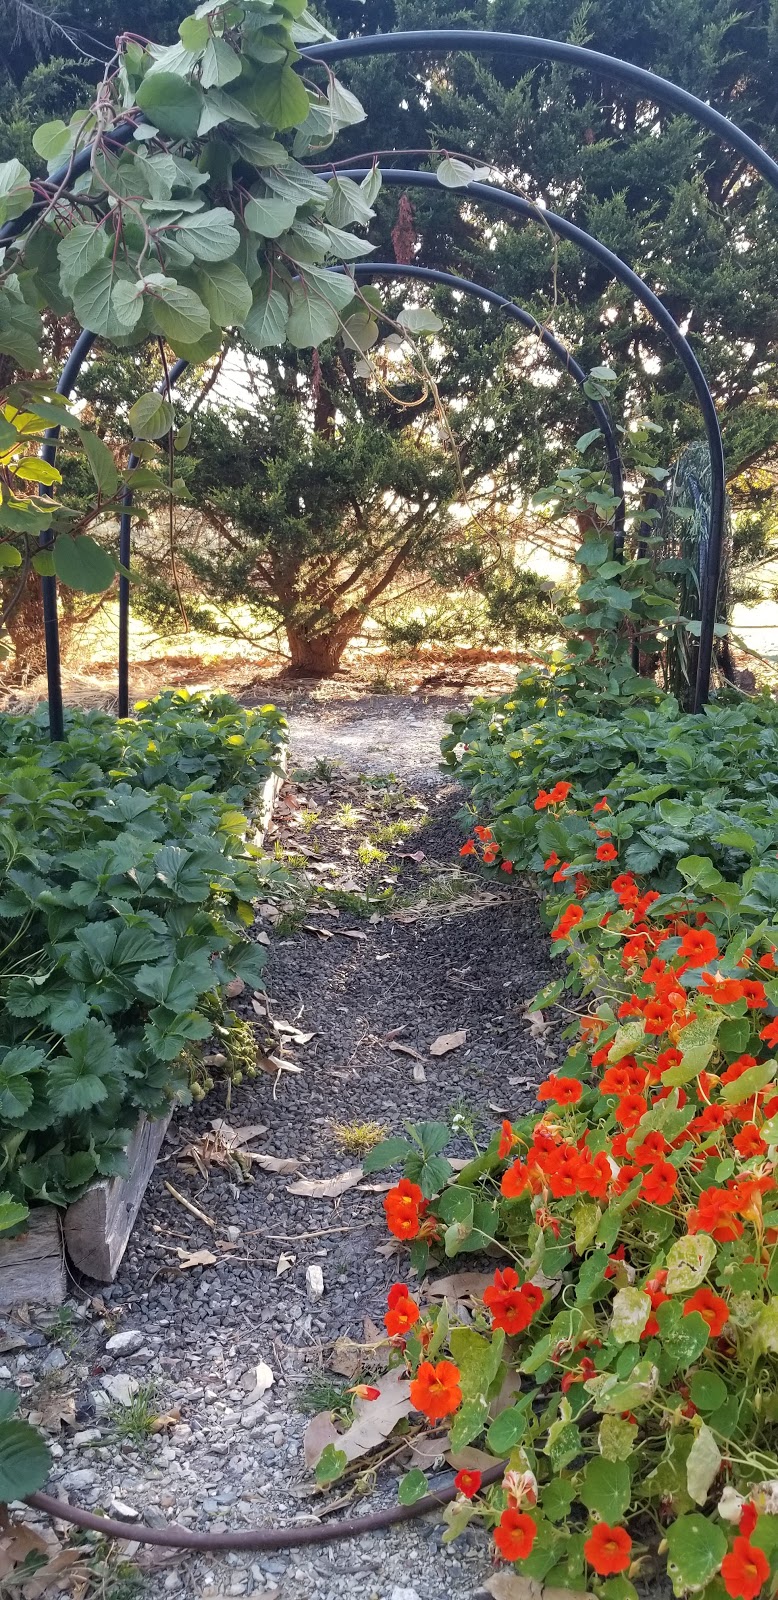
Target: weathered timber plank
x=98 y=1226
x=32 y=1265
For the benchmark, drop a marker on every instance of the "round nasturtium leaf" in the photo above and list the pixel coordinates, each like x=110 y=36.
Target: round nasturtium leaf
x=707 y=1390
x=24 y=1460
x=696 y=1547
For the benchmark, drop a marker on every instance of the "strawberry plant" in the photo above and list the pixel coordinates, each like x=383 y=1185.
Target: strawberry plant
x=126 y=880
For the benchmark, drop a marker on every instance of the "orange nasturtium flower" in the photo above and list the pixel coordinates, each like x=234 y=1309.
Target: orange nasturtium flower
x=602 y=805
x=711 y=1307
x=565 y=1091
x=511 y=1305
x=606 y=852
x=515 y=1534
x=467 y=1483
x=468 y=848
x=507 y=1138
x=403 y=1311
x=403 y=1206
x=435 y=1390
x=744 y=1570
x=608 y=1549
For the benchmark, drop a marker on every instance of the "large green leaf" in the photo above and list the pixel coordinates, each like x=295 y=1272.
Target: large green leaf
x=15 y=192
x=179 y=312
x=225 y=292
x=209 y=235
x=267 y=320
x=697 y=1546
x=151 y=416
x=269 y=216
x=172 y=104
x=606 y=1488
x=24 y=1461
x=311 y=321
x=79 y=251
x=280 y=97
x=82 y=564
x=96 y=305
x=101 y=462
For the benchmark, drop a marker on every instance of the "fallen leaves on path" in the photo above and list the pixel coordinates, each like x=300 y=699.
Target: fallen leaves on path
x=326 y=1188
x=374 y=1420
x=195 y=1258
x=447 y=1042
x=510 y=1586
x=460 y=1286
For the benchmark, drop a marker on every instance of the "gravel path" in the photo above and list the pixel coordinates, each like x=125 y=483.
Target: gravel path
x=436 y=949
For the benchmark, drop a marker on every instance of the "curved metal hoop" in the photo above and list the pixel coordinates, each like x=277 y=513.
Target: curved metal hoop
x=654 y=87
x=441 y=41
x=388 y=269
x=408 y=179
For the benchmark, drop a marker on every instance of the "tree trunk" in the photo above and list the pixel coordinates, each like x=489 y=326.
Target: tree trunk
x=24 y=626
x=320 y=656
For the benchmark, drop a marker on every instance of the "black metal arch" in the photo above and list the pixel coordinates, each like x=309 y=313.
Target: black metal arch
x=408 y=179
x=649 y=84
x=374 y=269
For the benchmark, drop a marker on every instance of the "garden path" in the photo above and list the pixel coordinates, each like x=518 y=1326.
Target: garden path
x=393 y=944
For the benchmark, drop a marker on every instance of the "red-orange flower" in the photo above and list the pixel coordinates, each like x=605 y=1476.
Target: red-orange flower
x=561 y=873
x=468 y=849
x=511 y=1305
x=467 y=1483
x=602 y=805
x=630 y=1109
x=658 y=1186
x=744 y=1570
x=657 y=1016
x=770 y=1033
x=551 y=861
x=569 y=919
x=515 y=1535
x=606 y=852
x=506 y=1141
x=608 y=1549
x=403 y=1206
x=698 y=946
x=484 y=834
x=435 y=1390
x=506 y=866
x=749 y=1516
x=711 y=1307
x=403 y=1311
x=749 y=1142
x=565 y=1091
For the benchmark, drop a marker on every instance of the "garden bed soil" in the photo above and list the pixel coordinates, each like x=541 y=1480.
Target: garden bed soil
x=200 y=1303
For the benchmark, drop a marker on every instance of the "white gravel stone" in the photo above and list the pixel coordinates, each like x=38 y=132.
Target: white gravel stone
x=86 y=1436
x=314 y=1279
x=125 y=1343
x=121 y=1387
x=125 y=1513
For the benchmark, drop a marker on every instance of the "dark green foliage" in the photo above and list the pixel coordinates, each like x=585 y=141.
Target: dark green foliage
x=126 y=878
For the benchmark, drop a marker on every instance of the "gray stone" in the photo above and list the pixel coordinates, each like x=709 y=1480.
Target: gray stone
x=55 y=1360
x=121 y=1387
x=125 y=1343
x=123 y=1511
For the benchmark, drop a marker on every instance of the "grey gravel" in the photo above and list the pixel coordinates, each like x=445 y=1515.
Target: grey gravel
x=226 y=1459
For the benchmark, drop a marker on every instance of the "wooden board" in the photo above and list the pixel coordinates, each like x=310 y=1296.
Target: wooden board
x=268 y=797
x=98 y=1226
x=32 y=1265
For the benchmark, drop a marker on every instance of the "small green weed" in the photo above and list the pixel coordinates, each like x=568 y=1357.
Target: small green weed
x=136 y=1421
x=356 y=1138
x=309 y=819
x=322 y=1394
x=347 y=816
x=368 y=855
x=391 y=832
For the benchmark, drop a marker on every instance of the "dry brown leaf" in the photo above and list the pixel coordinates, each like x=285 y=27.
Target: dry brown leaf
x=323 y=933
x=426 y=1451
x=292 y=1032
x=471 y=1458
x=446 y=1042
x=374 y=1420
x=166 y=1419
x=284 y=1264
x=283 y=1066
x=235 y=1137
x=195 y=1258
x=50 y=1416
x=350 y=933
x=460 y=1286
x=510 y=1586
x=347 y=1357
x=284 y=1164
x=262 y=938
x=419 y=1075
x=320 y=1432
x=411 y=855
x=376 y=1188
x=391 y=1248
x=259 y=1007
x=404 y=1049
x=326 y=1188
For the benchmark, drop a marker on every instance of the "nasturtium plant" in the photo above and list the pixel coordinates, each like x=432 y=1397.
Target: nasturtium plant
x=619 y=1361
